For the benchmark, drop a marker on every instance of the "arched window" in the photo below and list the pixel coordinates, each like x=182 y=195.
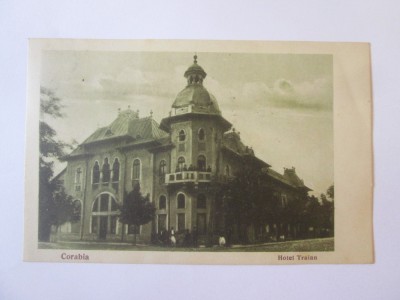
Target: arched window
x=136 y=170
x=201 y=134
x=162 y=202
x=106 y=170
x=181 y=163
x=115 y=167
x=181 y=201
x=163 y=167
x=201 y=163
x=96 y=172
x=202 y=201
x=104 y=215
x=182 y=135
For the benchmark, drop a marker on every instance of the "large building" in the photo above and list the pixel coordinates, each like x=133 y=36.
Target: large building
x=180 y=163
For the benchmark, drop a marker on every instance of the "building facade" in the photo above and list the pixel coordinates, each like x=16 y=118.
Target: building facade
x=181 y=163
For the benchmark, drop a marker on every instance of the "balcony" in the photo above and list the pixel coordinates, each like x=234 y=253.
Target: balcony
x=195 y=177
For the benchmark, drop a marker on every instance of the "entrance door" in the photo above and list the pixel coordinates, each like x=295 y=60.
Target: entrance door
x=103 y=228
x=201 y=223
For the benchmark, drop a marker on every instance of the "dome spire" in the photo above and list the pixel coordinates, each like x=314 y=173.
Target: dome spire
x=195 y=74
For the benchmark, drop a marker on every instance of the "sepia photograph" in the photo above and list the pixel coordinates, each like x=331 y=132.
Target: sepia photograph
x=185 y=151
x=220 y=150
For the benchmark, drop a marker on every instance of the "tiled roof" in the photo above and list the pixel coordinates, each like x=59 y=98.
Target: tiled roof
x=231 y=140
x=274 y=174
x=289 y=177
x=199 y=97
x=129 y=126
x=76 y=152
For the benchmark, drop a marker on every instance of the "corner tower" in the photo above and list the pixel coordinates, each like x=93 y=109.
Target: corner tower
x=196 y=128
x=195 y=124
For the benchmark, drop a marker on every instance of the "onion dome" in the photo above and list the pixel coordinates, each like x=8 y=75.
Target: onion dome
x=195 y=95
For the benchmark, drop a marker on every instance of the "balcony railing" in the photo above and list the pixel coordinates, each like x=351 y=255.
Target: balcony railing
x=187 y=177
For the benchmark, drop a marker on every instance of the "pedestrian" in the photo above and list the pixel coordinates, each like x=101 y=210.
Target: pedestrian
x=222 y=241
x=172 y=237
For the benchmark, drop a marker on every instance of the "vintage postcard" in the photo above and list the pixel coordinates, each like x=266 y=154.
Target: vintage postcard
x=198 y=152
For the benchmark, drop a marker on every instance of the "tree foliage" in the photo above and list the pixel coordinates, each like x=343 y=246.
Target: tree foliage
x=136 y=210
x=319 y=215
x=55 y=206
x=331 y=192
x=249 y=201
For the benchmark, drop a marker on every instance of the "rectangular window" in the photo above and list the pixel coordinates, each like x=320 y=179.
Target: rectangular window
x=181 y=147
x=181 y=222
x=78 y=179
x=136 y=170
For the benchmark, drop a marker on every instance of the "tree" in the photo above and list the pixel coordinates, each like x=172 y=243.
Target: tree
x=61 y=209
x=328 y=209
x=136 y=209
x=245 y=197
x=52 y=198
x=312 y=215
x=331 y=192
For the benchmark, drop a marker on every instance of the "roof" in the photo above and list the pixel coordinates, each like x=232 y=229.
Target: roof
x=59 y=175
x=197 y=96
x=195 y=68
x=289 y=177
x=128 y=125
x=231 y=142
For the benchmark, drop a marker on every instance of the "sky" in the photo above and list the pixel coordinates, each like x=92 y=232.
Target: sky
x=280 y=103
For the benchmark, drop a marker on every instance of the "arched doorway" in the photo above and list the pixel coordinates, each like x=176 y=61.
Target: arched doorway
x=104 y=215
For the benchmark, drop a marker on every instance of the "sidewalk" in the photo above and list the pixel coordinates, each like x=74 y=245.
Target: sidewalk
x=323 y=244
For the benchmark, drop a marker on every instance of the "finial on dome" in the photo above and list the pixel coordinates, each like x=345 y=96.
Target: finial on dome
x=151 y=113
x=195 y=58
